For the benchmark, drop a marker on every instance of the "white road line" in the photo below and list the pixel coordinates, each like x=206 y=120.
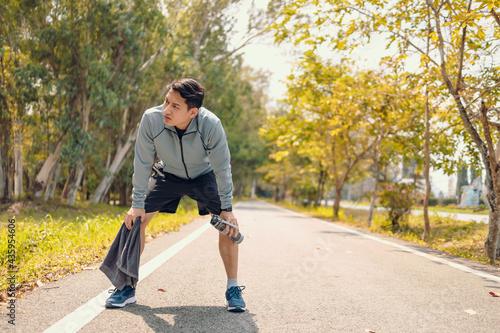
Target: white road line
x=74 y=321
x=407 y=249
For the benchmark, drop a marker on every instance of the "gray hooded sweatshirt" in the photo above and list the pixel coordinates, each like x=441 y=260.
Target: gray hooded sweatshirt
x=203 y=148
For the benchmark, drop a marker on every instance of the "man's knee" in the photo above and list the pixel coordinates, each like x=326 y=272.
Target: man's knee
x=147 y=219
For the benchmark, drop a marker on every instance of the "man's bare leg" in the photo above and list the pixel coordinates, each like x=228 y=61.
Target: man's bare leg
x=229 y=254
x=144 y=224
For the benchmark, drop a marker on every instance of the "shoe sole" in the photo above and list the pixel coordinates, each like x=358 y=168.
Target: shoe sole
x=121 y=305
x=235 y=308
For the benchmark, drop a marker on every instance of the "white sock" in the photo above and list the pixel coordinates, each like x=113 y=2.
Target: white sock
x=232 y=283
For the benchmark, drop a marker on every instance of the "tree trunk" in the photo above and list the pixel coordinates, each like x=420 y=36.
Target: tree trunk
x=487 y=153
x=284 y=192
x=52 y=183
x=336 y=200
x=2 y=178
x=128 y=194
x=10 y=183
x=376 y=175
x=114 y=168
x=319 y=193
x=42 y=180
x=83 y=194
x=492 y=239
x=254 y=185
x=107 y=197
x=372 y=204
x=69 y=181
x=74 y=183
x=123 y=194
x=73 y=187
x=493 y=192
x=427 y=225
x=18 y=162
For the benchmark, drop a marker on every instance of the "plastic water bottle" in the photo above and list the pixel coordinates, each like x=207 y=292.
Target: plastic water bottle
x=221 y=224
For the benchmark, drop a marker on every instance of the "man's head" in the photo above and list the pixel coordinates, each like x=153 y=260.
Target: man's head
x=190 y=90
x=184 y=98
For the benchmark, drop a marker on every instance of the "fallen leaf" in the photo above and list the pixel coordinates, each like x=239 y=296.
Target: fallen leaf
x=39 y=283
x=318 y=248
x=90 y=268
x=369 y=331
x=493 y=294
x=470 y=311
x=162 y=290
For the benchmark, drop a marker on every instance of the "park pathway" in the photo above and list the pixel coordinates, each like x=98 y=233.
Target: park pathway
x=301 y=275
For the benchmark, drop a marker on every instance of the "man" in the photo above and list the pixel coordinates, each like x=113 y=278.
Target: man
x=194 y=161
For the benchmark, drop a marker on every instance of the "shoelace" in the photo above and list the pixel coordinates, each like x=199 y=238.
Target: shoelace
x=235 y=292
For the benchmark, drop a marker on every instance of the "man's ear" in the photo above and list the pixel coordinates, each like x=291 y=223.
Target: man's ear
x=193 y=112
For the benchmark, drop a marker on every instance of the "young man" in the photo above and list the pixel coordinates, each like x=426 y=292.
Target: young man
x=194 y=161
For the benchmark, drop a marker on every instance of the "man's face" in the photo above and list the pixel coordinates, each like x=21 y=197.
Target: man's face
x=175 y=111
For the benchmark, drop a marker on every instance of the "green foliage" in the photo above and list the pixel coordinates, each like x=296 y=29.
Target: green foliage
x=454 y=44
x=432 y=36
x=336 y=117
x=84 y=72
x=398 y=199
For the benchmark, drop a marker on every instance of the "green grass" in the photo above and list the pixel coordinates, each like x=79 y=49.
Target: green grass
x=454 y=209
x=69 y=239
x=449 y=209
x=460 y=238
x=39 y=209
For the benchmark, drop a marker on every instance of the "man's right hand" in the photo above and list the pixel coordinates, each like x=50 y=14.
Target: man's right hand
x=132 y=214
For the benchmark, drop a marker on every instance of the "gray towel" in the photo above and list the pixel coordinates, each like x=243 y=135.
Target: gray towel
x=121 y=264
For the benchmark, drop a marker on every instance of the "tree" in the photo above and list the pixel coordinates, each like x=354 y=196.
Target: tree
x=17 y=90
x=77 y=77
x=461 y=35
x=338 y=116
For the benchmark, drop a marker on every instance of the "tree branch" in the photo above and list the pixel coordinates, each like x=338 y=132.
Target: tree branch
x=487 y=135
x=245 y=43
x=480 y=95
x=397 y=34
x=461 y=53
x=152 y=58
x=495 y=15
x=494 y=124
x=413 y=45
x=446 y=78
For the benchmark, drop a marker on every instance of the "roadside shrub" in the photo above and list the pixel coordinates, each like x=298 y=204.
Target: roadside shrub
x=432 y=202
x=397 y=199
x=449 y=201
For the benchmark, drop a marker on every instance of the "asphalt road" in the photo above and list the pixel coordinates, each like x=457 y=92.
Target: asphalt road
x=459 y=216
x=301 y=275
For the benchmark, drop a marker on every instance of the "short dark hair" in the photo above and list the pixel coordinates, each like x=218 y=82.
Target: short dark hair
x=189 y=89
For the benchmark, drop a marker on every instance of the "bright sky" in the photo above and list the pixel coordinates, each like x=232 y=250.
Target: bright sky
x=278 y=61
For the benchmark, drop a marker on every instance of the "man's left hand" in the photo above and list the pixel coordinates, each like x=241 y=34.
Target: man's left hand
x=229 y=217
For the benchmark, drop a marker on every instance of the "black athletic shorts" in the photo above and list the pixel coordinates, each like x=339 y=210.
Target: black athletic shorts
x=165 y=190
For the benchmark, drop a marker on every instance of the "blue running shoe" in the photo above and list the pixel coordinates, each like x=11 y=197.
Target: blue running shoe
x=120 y=298
x=234 y=301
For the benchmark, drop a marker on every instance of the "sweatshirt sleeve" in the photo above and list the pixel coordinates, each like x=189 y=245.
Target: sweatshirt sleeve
x=220 y=161
x=143 y=162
